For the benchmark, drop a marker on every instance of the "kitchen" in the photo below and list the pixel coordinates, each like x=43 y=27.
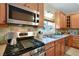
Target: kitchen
x=39 y=29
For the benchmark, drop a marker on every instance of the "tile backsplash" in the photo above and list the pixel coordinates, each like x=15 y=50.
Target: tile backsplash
x=14 y=28
x=68 y=31
x=17 y=28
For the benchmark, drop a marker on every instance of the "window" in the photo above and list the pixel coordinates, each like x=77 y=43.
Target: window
x=49 y=27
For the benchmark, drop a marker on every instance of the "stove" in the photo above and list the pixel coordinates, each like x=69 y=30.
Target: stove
x=24 y=45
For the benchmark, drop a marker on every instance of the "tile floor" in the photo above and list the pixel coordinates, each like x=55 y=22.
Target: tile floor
x=72 y=51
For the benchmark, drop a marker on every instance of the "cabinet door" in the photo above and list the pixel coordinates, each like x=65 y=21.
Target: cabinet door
x=60 y=20
x=41 y=15
x=47 y=46
x=57 y=48
x=62 y=47
x=76 y=42
x=32 y=6
x=2 y=13
x=26 y=5
x=57 y=19
x=75 y=21
x=50 y=52
x=69 y=41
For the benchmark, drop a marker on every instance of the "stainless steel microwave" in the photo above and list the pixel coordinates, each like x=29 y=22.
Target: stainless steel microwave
x=21 y=15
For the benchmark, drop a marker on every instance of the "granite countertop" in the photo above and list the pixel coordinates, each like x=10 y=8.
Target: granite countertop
x=46 y=40
x=2 y=49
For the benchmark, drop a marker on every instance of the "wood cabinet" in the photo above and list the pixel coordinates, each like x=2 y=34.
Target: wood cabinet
x=32 y=6
x=60 y=20
x=69 y=41
x=76 y=42
x=74 y=21
x=59 y=47
x=41 y=16
x=49 y=48
x=62 y=47
x=56 y=48
x=27 y=5
x=72 y=41
x=50 y=52
x=3 y=16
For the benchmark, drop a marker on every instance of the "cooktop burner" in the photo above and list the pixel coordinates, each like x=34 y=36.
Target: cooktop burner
x=27 y=43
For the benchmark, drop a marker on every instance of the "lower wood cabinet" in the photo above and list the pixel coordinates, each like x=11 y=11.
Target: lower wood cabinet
x=56 y=48
x=49 y=48
x=60 y=47
x=50 y=52
x=73 y=41
x=69 y=41
x=76 y=42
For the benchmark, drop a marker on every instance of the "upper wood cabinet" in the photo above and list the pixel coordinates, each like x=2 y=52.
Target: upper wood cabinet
x=32 y=6
x=41 y=15
x=74 y=21
x=60 y=20
x=2 y=13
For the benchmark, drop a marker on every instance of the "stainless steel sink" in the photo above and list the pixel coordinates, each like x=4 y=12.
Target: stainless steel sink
x=55 y=36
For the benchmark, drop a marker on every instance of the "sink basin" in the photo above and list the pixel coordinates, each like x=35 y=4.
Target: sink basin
x=55 y=36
